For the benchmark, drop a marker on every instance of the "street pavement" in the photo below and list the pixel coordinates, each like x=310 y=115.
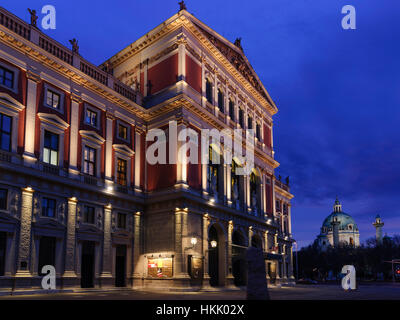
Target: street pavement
x=298 y=292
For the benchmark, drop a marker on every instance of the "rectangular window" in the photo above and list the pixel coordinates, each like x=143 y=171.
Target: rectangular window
x=91 y=117
x=89 y=161
x=121 y=220
x=48 y=207
x=6 y=77
x=5 y=132
x=88 y=215
x=50 y=150
x=122 y=132
x=3 y=199
x=121 y=172
x=53 y=99
x=231 y=110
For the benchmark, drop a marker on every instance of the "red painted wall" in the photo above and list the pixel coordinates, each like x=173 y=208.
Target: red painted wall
x=193 y=74
x=267 y=136
x=163 y=74
x=194 y=170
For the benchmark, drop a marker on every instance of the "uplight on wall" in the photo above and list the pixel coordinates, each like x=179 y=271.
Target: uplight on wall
x=193 y=241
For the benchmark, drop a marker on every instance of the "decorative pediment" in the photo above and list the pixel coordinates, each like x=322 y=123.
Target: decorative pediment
x=237 y=58
x=86 y=228
x=92 y=136
x=44 y=222
x=54 y=120
x=8 y=101
x=5 y=218
x=123 y=149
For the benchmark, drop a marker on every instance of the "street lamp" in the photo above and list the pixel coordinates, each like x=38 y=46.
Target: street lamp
x=213 y=244
x=297 y=262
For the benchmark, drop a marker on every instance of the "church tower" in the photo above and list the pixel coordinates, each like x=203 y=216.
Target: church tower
x=378 y=224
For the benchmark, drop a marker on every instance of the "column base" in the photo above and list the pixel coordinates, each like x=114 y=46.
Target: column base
x=106 y=280
x=69 y=279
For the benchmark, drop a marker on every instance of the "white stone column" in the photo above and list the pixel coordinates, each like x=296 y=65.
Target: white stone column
x=229 y=184
x=263 y=200
x=284 y=261
x=137 y=266
x=69 y=271
x=108 y=149
x=30 y=119
x=106 y=270
x=181 y=57
x=206 y=276
x=229 y=278
x=146 y=67
x=59 y=255
x=181 y=165
x=289 y=217
x=179 y=271
x=203 y=82
x=250 y=235
x=25 y=234
x=74 y=133
x=138 y=156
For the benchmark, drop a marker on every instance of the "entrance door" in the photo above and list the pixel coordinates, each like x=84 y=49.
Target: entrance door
x=239 y=264
x=272 y=271
x=47 y=252
x=120 y=266
x=87 y=265
x=2 y=252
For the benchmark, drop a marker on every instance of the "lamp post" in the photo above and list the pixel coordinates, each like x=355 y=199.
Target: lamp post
x=297 y=262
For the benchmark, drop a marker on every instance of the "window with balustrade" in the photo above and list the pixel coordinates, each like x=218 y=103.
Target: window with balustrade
x=221 y=104
x=231 y=110
x=89 y=165
x=88 y=214
x=51 y=148
x=121 y=172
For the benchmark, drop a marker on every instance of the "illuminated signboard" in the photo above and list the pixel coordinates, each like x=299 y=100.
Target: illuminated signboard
x=159 y=268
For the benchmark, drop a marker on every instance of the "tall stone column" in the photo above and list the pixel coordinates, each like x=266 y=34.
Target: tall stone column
x=108 y=149
x=250 y=235
x=25 y=234
x=74 y=133
x=106 y=275
x=284 y=262
x=138 y=157
x=229 y=277
x=203 y=82
x=137 y=266
x=69 y=271
x=181 y=57
x=266 y=249
x=181 y=159
x=30 y=119
x=206 y=276
x=289 y=217
x=179 y=272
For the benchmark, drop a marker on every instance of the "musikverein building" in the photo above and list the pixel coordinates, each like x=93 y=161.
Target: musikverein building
x=76 y=191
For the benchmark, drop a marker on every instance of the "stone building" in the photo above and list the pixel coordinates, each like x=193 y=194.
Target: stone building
x=338 y=228
x=76 y=191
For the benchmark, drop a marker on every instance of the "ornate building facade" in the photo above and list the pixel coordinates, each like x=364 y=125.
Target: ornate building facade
x=338 y=228
x=76 y=191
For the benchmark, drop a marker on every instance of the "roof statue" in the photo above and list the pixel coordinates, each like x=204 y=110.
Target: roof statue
x=182 y=5
x=238 y=43
x=75 y=47
x=34 y=17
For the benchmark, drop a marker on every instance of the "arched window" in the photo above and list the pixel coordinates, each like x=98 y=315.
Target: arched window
x=231 y=110
x=258 y=132
x=213 y=172
x=221 y=105
x=249 y=122
x=209 y=95
x=241 y=118
x=351 y=241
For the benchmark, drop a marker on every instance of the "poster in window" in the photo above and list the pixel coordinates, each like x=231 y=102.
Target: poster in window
x=159 y=268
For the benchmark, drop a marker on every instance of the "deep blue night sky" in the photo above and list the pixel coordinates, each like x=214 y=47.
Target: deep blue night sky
x=338 y=91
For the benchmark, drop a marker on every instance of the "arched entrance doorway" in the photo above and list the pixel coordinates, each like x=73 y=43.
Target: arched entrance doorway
x=239 y=269
x=216 y=256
